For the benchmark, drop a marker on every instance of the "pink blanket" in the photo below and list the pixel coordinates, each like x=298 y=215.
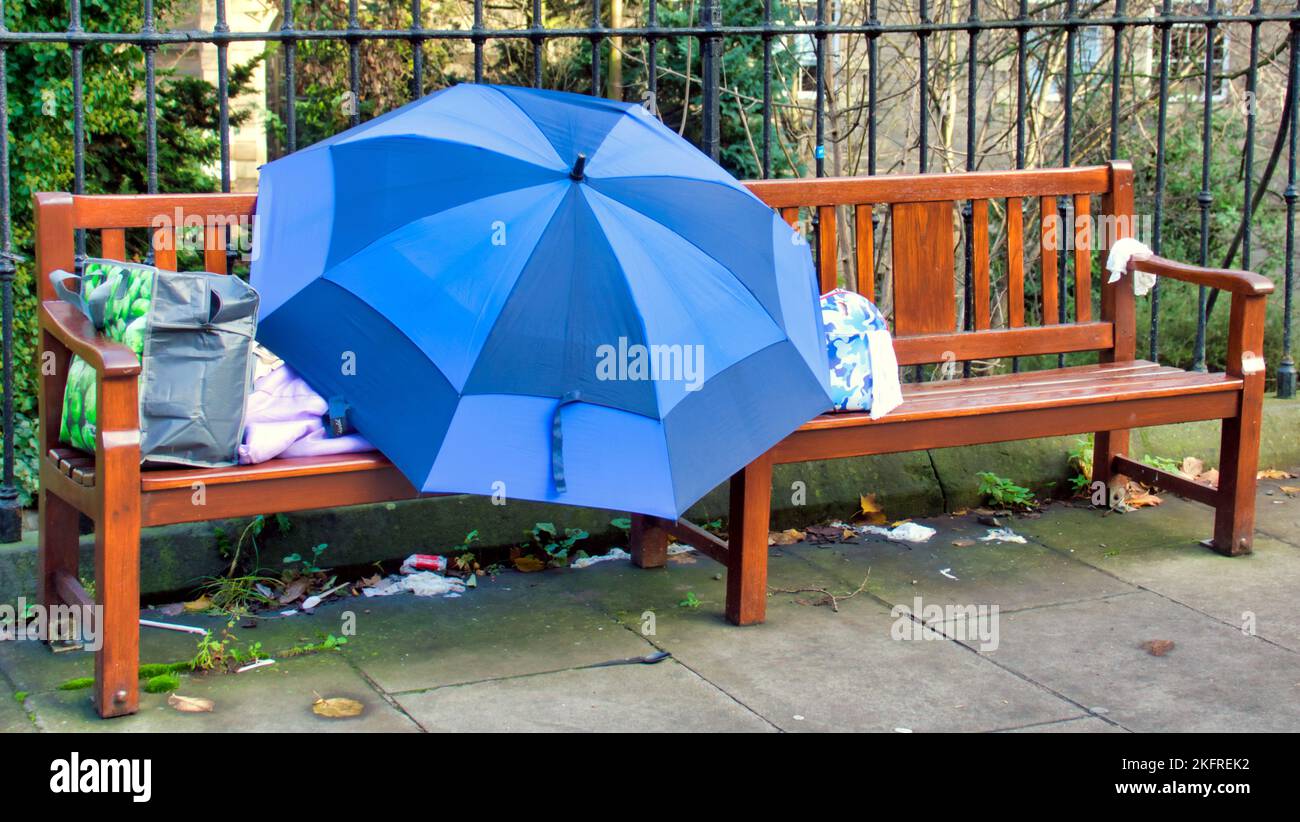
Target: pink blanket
x=284 y=418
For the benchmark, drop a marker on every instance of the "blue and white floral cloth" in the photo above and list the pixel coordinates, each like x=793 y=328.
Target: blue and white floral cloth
x=864 y=370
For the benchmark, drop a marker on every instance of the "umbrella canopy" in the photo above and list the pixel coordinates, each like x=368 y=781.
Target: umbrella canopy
x=542 y=295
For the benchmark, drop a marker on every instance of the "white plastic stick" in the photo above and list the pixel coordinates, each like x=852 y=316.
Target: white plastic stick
x=189 y=629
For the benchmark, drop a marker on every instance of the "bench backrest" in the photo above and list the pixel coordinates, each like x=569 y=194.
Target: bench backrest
x=921 y=230
x=923 y=215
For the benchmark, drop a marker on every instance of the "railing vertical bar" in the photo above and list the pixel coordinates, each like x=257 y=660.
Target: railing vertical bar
x=1252 y=109
x=11 y=515
x=1158 y=196
x=78 y=116
x=417 y=50
x=873 y=82
x=1064 y=207
x=1116 y=68
x=354 y=64
x=923 y=88
x=967 y=208
x=1204 y=198
x=710 y=18
x=1286 y=372
x=652 y=60
x=767 y=89
x=219 y=30
x=539 y=42
x=290 y=83
x=1022 y=93
x=150 y=99
x=819 y=127
x=596 y=43
x=477 y=37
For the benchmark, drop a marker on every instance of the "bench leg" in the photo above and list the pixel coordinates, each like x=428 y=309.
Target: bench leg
x=751 y=507
x=1106 y=446
x=1234 y=517
x=117 y=592
x=59 y=546
x=648 y=541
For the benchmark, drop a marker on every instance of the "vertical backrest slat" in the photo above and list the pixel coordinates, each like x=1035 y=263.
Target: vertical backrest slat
x=164 y=248
x=214 y=249
x=866 y=258
x=1048 y=242
x=1082 y=235
x=980 y=263
x=827 y=249
x=112 y=243
x=1117 y=300
x=924 y=302
x=1015 y=262
x=791 y=216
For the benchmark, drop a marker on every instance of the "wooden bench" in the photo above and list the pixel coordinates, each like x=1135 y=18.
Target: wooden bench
x=111 y=489
x=1118 y=393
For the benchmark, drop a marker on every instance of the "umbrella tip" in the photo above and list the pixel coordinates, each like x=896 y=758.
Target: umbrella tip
x=579 y=165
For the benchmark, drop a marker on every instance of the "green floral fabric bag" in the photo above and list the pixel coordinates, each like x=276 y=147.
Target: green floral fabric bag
x=193 y=332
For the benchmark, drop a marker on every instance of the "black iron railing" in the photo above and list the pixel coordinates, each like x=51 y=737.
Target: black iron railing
x=1024 y=27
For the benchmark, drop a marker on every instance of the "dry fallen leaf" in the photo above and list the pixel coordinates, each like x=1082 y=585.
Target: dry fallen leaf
x=1274 y=473
x=871 y=512
x=820 y=534
x=337 y=707
x=1210 y=477
x=1158 y=647
x=1289 y=490
x=190 y=704
x=529 y=564
x=684 y=558
x=1141 y=498
x=1192 y=467
x=200 y=604
x=294 y=590
x=787 y=537
x=963 y=543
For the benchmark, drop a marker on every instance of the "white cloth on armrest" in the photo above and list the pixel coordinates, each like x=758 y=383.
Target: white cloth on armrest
x=1117 y=264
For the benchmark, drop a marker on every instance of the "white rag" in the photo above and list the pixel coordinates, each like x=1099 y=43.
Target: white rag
x=1117 y=263
x=886 y=393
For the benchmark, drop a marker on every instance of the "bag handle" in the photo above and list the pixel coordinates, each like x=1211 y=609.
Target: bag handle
x=94 y=306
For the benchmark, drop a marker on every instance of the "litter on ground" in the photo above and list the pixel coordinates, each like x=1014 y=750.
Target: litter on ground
x=422 y=584
x=614 y=554
x=1002 y=535
x=907 y=532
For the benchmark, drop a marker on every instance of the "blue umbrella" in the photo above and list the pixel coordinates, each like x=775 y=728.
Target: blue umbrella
x=542 y=295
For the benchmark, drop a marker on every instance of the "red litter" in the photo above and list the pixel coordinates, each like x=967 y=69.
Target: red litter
x=424 y=562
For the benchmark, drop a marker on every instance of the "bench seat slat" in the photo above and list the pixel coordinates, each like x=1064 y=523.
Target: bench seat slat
x=1043 y=389
x=164 y=479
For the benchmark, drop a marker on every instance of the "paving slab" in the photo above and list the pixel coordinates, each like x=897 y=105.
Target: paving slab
x=13 y=714
x=637 y=597
x=665 y=697
x=809 y=668
x=1256 y=591
x=1278 y=512
x=276 y=698
x=521 y=624
x=1080 y=725
x=1214 y=679
x=1175 y=522
x=1010 y=575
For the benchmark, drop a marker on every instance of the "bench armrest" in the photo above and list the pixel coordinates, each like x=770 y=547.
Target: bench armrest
x=1247 y=283
x=70 y=327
